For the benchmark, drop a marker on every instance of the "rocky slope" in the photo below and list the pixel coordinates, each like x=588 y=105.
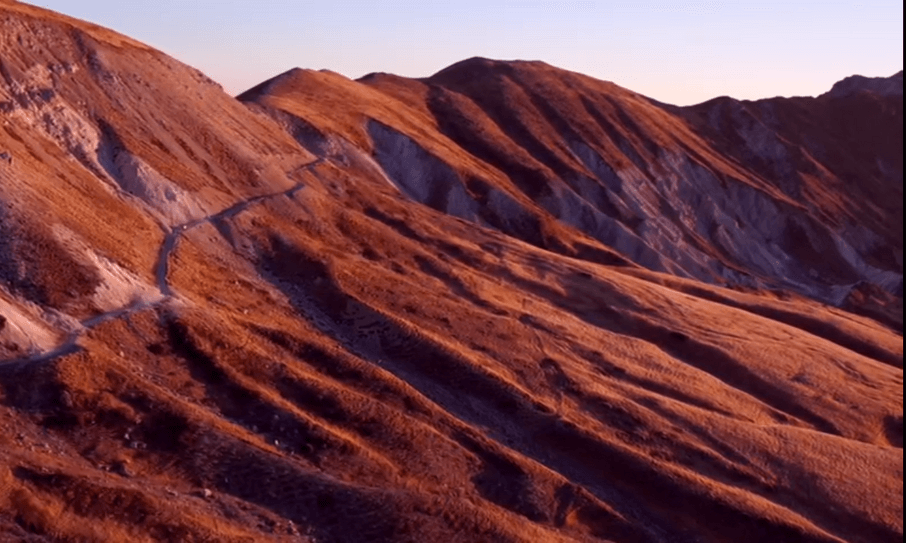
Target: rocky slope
x=228 y=321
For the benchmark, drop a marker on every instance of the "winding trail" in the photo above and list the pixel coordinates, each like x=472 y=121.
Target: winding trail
x=71 y=345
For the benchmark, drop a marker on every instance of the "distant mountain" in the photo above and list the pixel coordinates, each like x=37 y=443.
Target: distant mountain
x=881 y=86
x=505 y=303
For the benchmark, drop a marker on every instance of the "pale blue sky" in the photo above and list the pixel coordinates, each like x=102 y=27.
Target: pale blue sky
x=676 y=52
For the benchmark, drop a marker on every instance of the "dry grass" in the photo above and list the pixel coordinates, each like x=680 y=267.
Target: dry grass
x=340 y=363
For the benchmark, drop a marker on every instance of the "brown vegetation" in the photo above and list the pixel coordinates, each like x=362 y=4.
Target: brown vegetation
x=304 y=353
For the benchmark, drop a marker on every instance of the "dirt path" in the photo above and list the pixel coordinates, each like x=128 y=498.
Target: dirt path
x=161 y=273
x=170 y=242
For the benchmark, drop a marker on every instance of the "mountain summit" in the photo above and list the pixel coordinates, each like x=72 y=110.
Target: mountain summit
x=881 y=86
x=504 y=303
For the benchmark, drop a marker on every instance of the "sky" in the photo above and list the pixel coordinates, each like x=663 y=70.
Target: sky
x=676 y=52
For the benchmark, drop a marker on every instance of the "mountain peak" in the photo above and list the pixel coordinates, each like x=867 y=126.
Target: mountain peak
x=482 y=65
x=883 y=86
x=265 y=86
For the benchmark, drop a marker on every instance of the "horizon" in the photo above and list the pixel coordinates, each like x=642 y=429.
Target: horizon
x=676 y=53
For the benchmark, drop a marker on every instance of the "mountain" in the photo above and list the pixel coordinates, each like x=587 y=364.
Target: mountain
x=796 y=194
x=880 y=86
x=503 y=303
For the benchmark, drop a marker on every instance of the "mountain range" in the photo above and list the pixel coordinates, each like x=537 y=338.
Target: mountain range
x=506 y=302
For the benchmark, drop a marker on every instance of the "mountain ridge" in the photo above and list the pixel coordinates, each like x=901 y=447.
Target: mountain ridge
x=251 y=321
x=699 y=142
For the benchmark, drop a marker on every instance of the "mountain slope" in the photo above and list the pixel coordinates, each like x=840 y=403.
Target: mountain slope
x=253 y=330
x=799 y=194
